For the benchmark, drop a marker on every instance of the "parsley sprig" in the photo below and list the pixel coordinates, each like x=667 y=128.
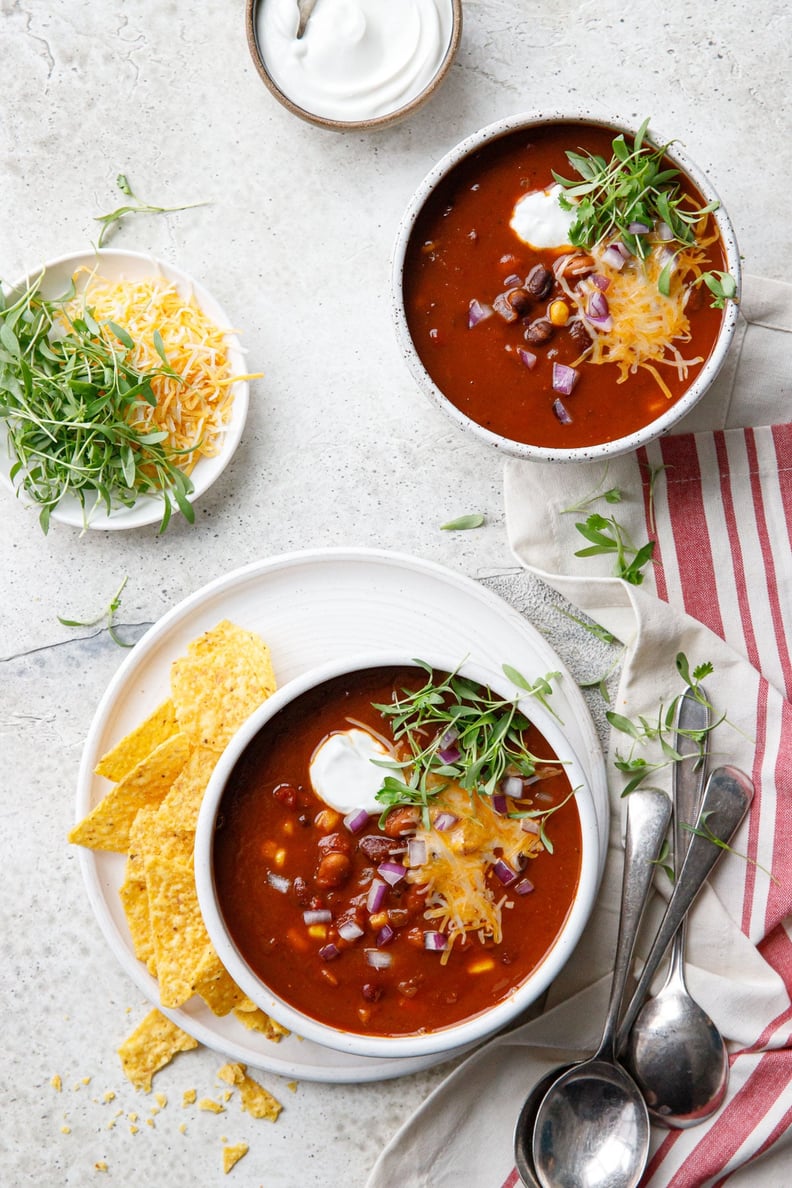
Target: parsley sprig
x=453 y=729
x=68 y=400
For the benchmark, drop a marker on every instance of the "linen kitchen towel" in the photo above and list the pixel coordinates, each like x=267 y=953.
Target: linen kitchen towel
x=716 y=498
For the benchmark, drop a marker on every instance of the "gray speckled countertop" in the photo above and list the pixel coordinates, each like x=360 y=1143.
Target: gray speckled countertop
x=340 y=449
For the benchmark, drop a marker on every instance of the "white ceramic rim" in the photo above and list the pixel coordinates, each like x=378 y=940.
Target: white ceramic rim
x=114 y=263
x=377 y=122
x=469 y=1030
x=621 y=445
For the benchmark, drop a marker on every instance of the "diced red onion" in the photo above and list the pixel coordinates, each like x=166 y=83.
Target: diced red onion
x=278 y=882
x=349 y=930
x=329 y=952
x=356 y=820
x=639 y=228
x=377 y=959
x=385 y=936
x=560 y=410
x=664 y=232
x=602 y=282
x=446 y=746
x=512 y=785
x=564 y=379
x=319 y=916
x=445 y=821
x=512 y=281
x=526 y=357
x=615 y=256
x=416 y=851
x=478 y=313
x=524 y=887
x=376 y=895
x=597 y=308
x=500 y=804
x=392 y=872
x=434 y=941
x=504 y=872
x=450 y=754
x=528 y=825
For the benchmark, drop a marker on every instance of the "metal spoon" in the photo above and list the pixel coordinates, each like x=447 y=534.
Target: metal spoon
x=523 y=1134
x=305 y=8
x=726 y=799
x=592 y=1126
x=675 y=1052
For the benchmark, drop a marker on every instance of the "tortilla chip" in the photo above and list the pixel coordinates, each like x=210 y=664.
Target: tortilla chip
x=226 y=674
x=151 y=1046
x=182 y=804
x=255 y=1019
x=139 y=743
x=134 y=899
x=181 y=941
x=108 y=824
x=232 y=1155
x=216 y=986
x=255 y=1098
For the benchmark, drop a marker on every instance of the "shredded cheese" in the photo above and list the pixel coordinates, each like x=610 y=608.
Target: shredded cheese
x=458 y=898
x=194 y=410
x=646 y=327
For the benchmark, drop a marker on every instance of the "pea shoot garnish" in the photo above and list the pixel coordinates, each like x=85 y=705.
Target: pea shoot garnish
x=107 y=616
x=455 y=730
x=112 y=220
x=68 y=396
x=633 y=198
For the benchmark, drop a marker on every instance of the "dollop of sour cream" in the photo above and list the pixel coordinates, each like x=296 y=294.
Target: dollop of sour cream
x=358 y=59
x=343 y=774
x=539 y=221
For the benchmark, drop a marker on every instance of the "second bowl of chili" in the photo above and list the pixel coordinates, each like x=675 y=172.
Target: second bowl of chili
x=397 y=857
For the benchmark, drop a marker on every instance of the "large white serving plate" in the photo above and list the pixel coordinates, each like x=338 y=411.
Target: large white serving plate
x=313 y=607
x=113 y=264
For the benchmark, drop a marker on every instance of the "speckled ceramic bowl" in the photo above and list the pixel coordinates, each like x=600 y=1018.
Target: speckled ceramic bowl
x=662 y=424
x=423 y=1042
x=375 y=123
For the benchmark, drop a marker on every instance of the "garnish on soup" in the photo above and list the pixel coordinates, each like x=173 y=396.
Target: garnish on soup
x=432 y=896
x=565 y=312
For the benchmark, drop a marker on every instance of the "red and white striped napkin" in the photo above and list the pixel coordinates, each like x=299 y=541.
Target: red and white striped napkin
x=717 y=499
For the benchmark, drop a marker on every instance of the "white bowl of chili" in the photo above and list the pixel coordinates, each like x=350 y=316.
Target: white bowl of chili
x=419 y=920
x=547 y=313
x=166 y=435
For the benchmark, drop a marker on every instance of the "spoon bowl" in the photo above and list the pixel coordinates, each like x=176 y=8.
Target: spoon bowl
x=678 y=1059
x=523 y=1135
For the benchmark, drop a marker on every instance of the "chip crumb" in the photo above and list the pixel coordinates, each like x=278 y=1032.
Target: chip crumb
x=65 y=1129
x=100 y=1165
x=86 y=1080
x=232 y=1155
x=133 y=1117
x=188 y=1097
x=109 y=1096
x=151 y=1046
x=226 y=1095
x=292 y=1085
x=150 y=1122
x=182 y=1127
x=56 y=1083
x=255 y=1099
x=161 y=1100
x=208 y=1103
x=134 y=1129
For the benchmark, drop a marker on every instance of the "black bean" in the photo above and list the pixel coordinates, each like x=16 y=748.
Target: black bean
x=539 y=281
x=520 y=301
x=539 y=332
x=579 y=333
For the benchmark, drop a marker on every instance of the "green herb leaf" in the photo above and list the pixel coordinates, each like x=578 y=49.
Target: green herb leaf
x=464 y=523
x=110 y=221
x=106 y=616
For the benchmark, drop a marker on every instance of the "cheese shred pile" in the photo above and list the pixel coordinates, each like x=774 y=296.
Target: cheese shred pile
x=193 y=407
x=647 y=327
x=459 y=900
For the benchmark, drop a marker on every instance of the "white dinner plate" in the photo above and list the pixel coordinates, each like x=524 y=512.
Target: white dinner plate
x=312 y=607
x=114 y=264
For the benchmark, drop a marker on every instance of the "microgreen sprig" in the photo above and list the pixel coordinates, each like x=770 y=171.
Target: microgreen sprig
x=107 y=616
x=702 y=829
x=464 y=523
x=69 y=399
x=110 y=221
x=643 y=731
x=606 y=535
x=455 y=730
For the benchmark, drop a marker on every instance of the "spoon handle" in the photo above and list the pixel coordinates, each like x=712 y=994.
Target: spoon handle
x=726 y=799
x=693 y=718
x=648 y=815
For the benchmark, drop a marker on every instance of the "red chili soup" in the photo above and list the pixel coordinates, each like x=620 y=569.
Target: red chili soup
x=540 y=344
x=346 y=920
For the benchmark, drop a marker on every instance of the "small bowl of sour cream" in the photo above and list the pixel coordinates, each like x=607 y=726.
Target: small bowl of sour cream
x=360 y=64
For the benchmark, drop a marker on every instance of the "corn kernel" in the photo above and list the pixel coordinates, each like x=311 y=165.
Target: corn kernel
x=378 y=919
x=317 y=931
x=327 y=820
x=288 y=827
x=559 y=313
x=481 y=966
x=279 y=857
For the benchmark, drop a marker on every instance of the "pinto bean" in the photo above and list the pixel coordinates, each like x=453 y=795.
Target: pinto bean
x=333 y=869
x=520 y=301
x=334 y=842
x=401 y=821
x=377 y=848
